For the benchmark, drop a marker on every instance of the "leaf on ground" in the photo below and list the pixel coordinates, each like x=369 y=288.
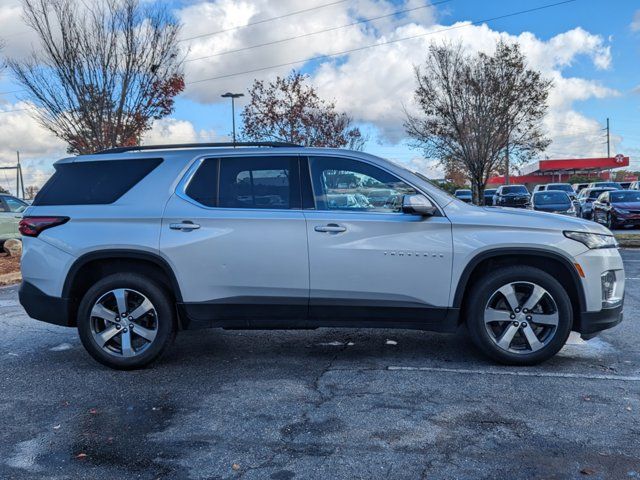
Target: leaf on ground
x=235 y=467
x=93 y=411
x=587 y=471
x=81 y=455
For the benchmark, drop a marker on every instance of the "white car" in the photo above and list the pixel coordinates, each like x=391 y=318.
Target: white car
x=132 y=244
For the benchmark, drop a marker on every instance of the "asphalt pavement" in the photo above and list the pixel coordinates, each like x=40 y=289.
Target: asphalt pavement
x=321 y=404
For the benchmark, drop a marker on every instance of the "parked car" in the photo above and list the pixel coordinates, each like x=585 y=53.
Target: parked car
x=488 y=196
x=132 y=244
x=563 y=187
x=11 y=209
x=512 y=196
x=617 y=208
x=464 y=194
x=585 y=200
x=615 y=185
x=578 y=187
x=625 y=185
x=540 y=188
x=634 y=186
x=554 y=201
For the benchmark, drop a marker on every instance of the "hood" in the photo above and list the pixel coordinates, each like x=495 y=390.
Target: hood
x=526 y=220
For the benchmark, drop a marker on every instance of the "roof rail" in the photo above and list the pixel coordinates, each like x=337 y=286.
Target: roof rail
x=197 y=145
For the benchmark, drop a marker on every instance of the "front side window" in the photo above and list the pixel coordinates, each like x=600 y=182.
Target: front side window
x=247 y=182
x=351 y=185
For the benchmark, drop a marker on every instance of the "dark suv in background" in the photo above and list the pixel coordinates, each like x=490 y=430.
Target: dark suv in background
x=586 y=197
x=512 y=196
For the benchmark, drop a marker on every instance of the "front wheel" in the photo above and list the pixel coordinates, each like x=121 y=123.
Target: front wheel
x=126 y=321
x=519 y=315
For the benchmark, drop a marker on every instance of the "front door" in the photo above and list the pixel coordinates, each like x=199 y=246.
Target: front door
x=235 y=235
x=368 y=259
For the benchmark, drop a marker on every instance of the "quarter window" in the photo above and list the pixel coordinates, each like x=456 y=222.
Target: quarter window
x=350 y=185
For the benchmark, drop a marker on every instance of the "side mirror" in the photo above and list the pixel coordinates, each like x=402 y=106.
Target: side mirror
x=418 y=205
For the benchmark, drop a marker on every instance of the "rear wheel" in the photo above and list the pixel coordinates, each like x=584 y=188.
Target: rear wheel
x=126 y=321
x=519 y=315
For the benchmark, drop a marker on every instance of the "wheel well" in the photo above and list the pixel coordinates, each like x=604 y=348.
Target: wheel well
x=89 y=272
x=550 y=264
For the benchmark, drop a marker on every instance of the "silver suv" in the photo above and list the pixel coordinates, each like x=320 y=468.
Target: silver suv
x=132 y=244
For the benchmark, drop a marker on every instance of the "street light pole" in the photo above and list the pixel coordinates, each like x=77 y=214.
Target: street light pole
x=233 y=97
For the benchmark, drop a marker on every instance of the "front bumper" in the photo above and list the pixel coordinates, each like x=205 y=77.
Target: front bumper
x=41 y=306
x=593 y=322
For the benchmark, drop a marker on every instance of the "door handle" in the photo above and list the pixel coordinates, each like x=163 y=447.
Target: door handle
x=184 y=226
x=330 y=228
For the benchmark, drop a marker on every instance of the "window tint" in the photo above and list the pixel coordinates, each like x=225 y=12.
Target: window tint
x=91 y=183
x=345 y=184
x=515 y=189
x=247 y=182
x=565 y=187
x=15 y=205
x=551 y=197
x=626 y=196
x=203 y=186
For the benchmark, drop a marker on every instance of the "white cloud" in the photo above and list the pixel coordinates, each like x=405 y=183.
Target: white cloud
x=171 y=130
x=635 y=23
x=38 y=147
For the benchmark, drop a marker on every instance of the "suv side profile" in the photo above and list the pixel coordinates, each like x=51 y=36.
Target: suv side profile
x=133 y=244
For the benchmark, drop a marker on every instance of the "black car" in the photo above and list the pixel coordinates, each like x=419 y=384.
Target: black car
x=512 y=196
x=463 y=194
x=488 y=195
x=585 y=200
x=553 y=201
x=617 y=208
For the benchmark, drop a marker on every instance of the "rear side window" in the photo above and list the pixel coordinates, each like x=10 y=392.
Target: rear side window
x=247 y=182
x=94 y=183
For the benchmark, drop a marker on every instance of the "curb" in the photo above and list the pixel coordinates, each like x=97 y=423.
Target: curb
x=628 y=240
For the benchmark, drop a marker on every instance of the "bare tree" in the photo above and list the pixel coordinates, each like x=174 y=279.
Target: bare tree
x=104 y=71
x=31 y=191
x=476 y=109
x=290 y=110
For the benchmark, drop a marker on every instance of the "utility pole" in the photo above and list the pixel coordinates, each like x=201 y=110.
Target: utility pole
x=506 y=172
x=19 y=180
x=233 y=96
x=608 y=140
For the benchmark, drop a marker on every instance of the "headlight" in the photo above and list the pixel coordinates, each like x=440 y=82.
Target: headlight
x=593 y=240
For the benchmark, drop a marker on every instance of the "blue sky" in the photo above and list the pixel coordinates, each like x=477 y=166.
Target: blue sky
x=590 y=48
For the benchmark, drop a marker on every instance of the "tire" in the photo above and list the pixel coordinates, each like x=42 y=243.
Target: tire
x=99 y=317
x=486 y=302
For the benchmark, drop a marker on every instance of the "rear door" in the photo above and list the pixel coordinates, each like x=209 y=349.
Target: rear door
x=235 y=235
x=368 y=259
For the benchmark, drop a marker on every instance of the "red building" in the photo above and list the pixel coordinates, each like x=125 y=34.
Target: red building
x=558 y=171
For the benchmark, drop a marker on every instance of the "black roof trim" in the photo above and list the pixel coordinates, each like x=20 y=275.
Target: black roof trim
x=197 y=145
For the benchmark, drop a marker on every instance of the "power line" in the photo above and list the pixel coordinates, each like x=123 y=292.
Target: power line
x=317 y=32
x=258 y=22
x=388 y=42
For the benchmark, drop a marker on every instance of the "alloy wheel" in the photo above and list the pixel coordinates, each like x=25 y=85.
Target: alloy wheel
x=124 y=322
x=521 y=317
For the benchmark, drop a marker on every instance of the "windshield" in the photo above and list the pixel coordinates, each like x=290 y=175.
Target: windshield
x=565 y=187
x=608 y=184
x=489 y=192
x=514 y=189
x=596 y=193
x=463 y=193
x=550 y=197
x=626 y=196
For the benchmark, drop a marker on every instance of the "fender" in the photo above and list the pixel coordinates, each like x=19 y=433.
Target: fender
x=529 y=251
x=121 y=253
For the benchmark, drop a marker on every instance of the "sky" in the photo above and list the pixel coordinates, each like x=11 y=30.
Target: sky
x=590 y=49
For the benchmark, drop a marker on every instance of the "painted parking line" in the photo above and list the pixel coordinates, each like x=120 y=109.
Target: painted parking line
x=464 y=371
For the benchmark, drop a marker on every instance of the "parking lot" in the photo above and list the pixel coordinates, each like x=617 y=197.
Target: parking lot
x=327 y=403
